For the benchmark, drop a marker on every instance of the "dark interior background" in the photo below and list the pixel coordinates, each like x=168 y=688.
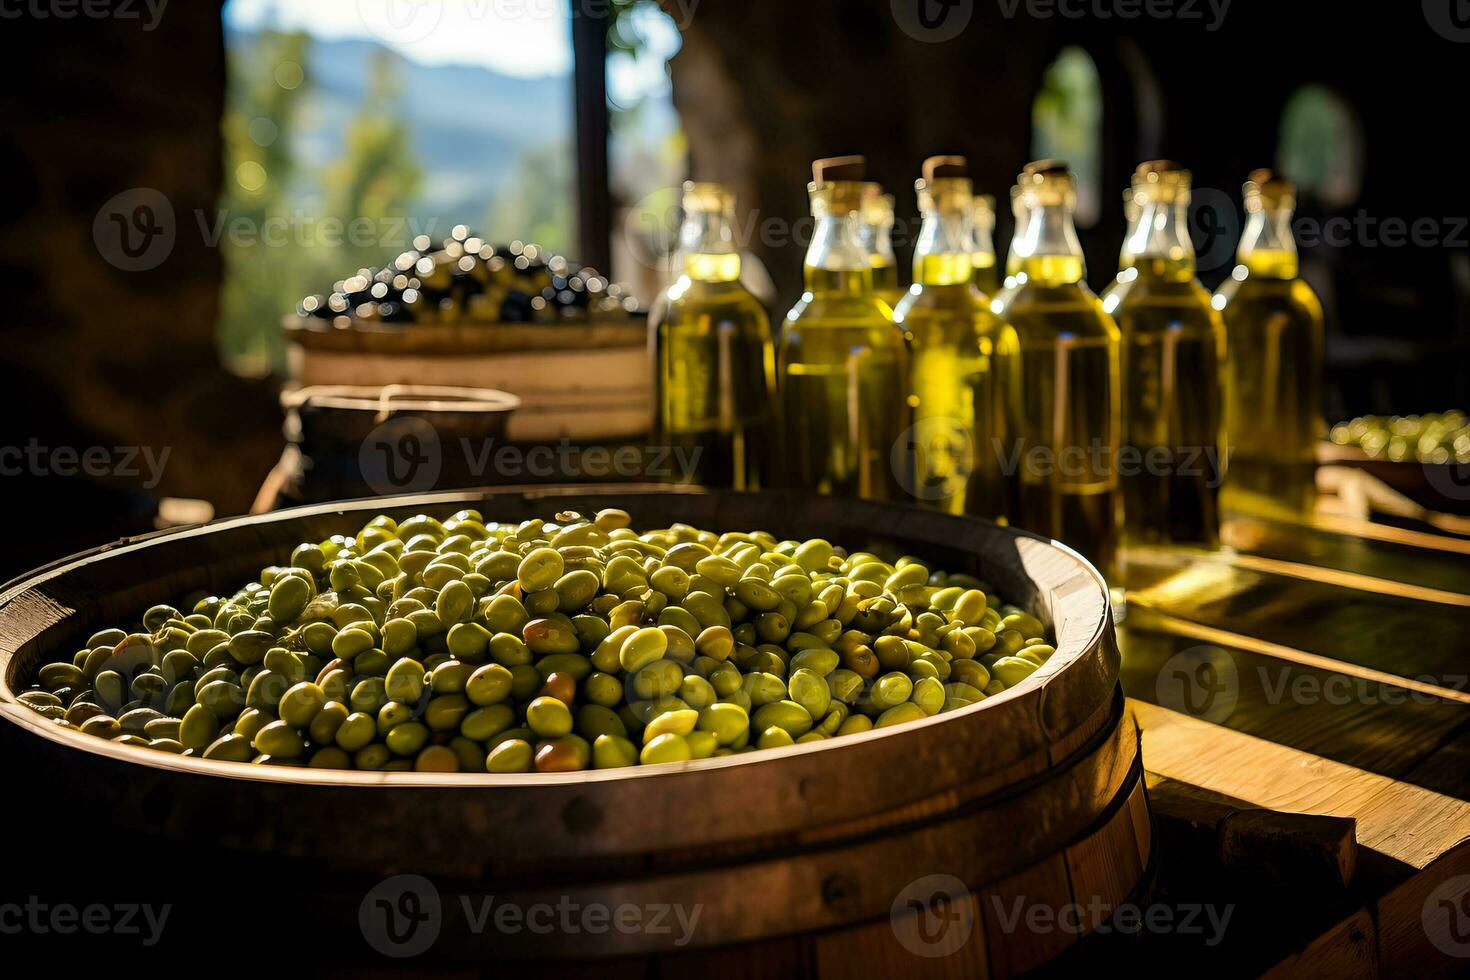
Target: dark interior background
x=95 y=356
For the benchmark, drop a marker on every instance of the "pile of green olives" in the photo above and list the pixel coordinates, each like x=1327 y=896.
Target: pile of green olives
x=1436 y=438
x=543 y=646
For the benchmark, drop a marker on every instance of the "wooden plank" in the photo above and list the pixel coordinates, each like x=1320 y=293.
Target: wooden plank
x=1348 y=949
x=1421 y=837
x=875 y=949
x=1407 y=636
x=1305 y=850
x=1104 y=867
x=1400 y=557
x=1363 y=723
x=1015 y=946
x=1255 y=846
x=1411 y=825
x=1414 y=944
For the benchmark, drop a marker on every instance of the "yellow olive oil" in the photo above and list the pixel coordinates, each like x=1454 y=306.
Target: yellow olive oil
x=878 y=221
x=1063 y=453
x=985 y=272
x=1274 y=329
x=963 y=357
x=1172 y=363
x=842 y=364
x=714 y=358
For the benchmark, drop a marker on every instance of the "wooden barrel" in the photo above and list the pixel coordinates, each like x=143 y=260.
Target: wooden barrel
x=850 y=856
x=347 y=441
x=582 y=381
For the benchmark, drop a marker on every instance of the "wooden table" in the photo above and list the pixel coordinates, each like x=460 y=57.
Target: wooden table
x=1316 y=668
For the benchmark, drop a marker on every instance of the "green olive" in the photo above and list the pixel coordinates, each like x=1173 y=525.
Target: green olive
x=444 y=645
x=668 y=747
x=613 y=751
x=548 y=717
x=513 y=755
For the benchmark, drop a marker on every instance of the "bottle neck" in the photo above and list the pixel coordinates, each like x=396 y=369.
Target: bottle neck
x=839 y=258
x=1045 y=249
x=1267 y=248
x=878 y=237
x=707 y=247
x=944 y=253
x=982 y=242
x=1158 y=239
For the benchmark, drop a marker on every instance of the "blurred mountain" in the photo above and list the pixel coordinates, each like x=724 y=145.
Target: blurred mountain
x=470 y=126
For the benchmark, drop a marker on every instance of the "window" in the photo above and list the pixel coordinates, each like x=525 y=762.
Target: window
x=1066 y=124
x=1321 y=146
x=648 y=152
x=347 y=134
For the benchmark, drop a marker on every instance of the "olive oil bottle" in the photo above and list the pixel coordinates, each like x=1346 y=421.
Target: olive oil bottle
x=1064 y=452
x=1019 y=215
x=714 y=359
x=842 y=364
x=985 y=273
x=962 y=358
x=878 y=221
x=1172 y=364
x=1274 y=329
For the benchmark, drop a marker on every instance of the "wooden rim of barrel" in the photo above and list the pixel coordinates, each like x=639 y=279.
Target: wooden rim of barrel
x=461 y=339
x=951 y=761
x=384 y=401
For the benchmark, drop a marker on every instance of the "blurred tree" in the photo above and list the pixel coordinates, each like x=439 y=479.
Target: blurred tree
x=524 y=211
x=275 y=250
x=377 y=176
x=1321 y=146
x=1066 y=119
x=260 y=117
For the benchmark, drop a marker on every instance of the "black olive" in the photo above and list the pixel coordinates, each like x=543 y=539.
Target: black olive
x=517 y=307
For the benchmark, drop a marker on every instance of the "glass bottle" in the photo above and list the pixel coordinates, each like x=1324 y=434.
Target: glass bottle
x=962 y=356
x=1018 y=223
x=1172 y=363
x=985 y=273
x=878 y=221
x=1064 y=452
x=842 y=365
x=714 y=359
x=1274 y=328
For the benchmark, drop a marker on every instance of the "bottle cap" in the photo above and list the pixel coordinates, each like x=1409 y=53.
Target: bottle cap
x=830 y=169
x=1047 y=182
x=1041 y=169
x=945 y=185
x=941 y=167
x=1156 y=167
x=1263 y=189
x=1160 y=180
